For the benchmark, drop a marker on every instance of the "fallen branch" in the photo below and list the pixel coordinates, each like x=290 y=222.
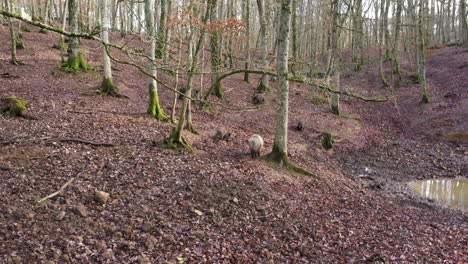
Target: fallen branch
x=57 y=192
x=295 y=79
x=83 y=113
x=4 y=168
x=76 y=140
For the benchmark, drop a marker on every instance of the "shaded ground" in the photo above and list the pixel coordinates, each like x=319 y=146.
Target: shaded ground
x=218 y=205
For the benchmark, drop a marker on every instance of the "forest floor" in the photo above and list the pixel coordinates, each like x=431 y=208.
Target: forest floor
x=217 y=205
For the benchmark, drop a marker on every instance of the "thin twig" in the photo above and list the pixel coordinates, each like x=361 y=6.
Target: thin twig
x=76 y=140
x=57 y=192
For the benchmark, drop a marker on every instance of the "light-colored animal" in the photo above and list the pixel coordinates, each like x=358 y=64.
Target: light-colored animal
x=255 y=145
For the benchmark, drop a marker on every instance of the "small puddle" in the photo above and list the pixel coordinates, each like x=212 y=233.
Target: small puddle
x=452 y=192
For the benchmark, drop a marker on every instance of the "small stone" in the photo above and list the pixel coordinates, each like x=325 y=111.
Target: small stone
x=101 y=196
x=81 y=210
x=146 y=227
x=143 y=259
x=60 y=216
x=151 y=242
x=235 y=200
x=57 y=253
x=108 y=254
x=101 y=245
x=198 y=212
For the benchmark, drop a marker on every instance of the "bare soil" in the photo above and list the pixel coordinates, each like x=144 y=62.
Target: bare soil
x=217 y=205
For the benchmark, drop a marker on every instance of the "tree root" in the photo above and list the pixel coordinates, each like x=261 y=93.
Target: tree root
x=281 y=160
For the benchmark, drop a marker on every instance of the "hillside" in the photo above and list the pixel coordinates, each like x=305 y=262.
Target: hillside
x=217 y=205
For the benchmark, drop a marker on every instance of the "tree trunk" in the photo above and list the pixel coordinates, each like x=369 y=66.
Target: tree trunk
x=280 y=147
x=75 y=62
x=161 y=40
x=154 y=109
x=246 y=18
x=264 y=84
x=107 y=85
x=396 y=41
x=279 y=153
x=215 y=52
x=422 y=56
x=463 y=22
x=9 y=5
x=294 y=29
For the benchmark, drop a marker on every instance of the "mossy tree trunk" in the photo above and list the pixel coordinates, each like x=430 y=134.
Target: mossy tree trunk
x=176 y=139
x=332 y=67
x=279 y=154
x=107 y=85
x=161 y=40
x=154 y=109
x=75 y=61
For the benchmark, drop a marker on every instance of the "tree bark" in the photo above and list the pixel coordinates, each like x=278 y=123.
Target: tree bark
x=107 y=85
x=154 y=109
x=75 y=61
x=215 y=51
x=264 y=83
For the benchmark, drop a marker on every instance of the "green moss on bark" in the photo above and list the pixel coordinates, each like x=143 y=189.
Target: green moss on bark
x=75 y=64
x=327 y=140
x=281 y=160
x=261 y=88
x=154 y=109
x=175 y=142
x=17 y=106
x=335 y=109
x=218 y=90
x=19 y=43
x=425 y=99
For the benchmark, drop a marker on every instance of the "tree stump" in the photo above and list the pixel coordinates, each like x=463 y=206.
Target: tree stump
x=327 y=140
x=15 y=107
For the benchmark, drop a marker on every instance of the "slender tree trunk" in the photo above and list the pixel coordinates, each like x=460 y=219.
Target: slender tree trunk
x=422 y=62
x=154 y=109
x=294 y=29
x=107 y=85
x=161 y=40
x=280 y=146
x=215 y=52
x=463 y=22
x=9 y=5
x=381 y=43
x=279 y=153
x=246 y=14
x=264 y=84
x=396 y=41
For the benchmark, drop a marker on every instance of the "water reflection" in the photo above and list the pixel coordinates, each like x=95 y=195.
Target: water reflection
x=451 y=192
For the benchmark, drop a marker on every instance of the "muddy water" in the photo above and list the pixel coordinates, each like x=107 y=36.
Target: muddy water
x=452 y=192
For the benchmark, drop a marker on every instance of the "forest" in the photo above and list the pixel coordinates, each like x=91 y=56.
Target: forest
x=233 y=131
